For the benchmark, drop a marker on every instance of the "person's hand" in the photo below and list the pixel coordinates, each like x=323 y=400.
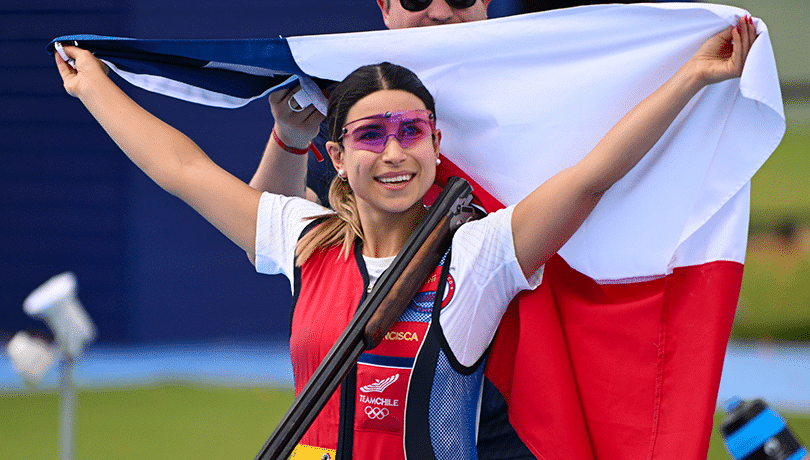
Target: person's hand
x=722 y=56
x=87 y=68
x=295 y=127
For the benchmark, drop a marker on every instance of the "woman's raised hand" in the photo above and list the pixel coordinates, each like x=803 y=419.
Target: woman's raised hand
x=567 y=198
x=77 y=80
x=722 y=56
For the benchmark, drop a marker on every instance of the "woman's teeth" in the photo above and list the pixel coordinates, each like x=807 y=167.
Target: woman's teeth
x=395 y=179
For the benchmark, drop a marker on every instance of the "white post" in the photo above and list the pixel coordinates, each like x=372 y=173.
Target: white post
x=67 y=408
x=55 y=302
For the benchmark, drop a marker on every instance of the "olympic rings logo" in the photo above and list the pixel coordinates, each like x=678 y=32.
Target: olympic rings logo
x=376 y=412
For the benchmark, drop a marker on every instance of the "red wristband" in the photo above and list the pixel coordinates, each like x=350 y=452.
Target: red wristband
x=294 y=150
x=286 y=147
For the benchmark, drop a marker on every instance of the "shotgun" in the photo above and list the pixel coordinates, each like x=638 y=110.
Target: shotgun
x=377 y=313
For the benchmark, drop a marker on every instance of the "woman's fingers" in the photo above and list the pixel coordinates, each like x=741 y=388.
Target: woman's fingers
x=745 y=41
x=747 y=34
x=741 y=37
x=751 y=33
x=67 y=73
x=85 y=68
x=287 y=110
x=64 y=68
x=295 y=125
x=284 y=104
x=736 y=61
x=723 y=56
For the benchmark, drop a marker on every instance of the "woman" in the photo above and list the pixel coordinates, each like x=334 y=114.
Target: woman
x=418 y=391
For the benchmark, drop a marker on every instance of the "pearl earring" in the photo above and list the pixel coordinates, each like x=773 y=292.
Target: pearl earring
x=438 y=162
x=340 y=173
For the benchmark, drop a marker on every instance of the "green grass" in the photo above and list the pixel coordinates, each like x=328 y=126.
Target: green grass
x=779 y=189
x=775 y=294
x=775 y=297
x=162 y=422
x=175 y=422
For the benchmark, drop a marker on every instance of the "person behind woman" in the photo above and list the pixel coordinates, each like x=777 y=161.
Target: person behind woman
x=417 y=392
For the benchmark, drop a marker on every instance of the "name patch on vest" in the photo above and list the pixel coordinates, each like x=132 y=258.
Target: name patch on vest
x=403 y=339
x=407 y=336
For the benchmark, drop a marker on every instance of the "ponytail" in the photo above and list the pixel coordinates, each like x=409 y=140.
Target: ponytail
x=339 y=228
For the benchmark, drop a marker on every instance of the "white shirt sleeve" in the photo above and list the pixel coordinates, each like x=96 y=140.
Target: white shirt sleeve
x=486 y=277
x=281 y=219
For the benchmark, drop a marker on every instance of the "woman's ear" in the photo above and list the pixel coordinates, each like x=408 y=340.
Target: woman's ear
x=335 y=152
x=437 y=140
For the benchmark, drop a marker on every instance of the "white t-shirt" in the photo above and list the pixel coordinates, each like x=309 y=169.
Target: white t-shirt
x=483 y=266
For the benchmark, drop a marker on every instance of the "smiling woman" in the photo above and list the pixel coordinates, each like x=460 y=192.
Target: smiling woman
x=388 y=177
x=380 y=117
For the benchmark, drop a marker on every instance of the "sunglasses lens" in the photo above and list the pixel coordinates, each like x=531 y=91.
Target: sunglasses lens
x=412 y=131
x=369 y=137
x=461 y=4
x=419 y=5
x=415 y=5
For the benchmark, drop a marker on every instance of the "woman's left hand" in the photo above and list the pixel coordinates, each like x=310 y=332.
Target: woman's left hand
x=722 y=56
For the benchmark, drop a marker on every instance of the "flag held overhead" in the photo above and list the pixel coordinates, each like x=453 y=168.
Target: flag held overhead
x=651 y=279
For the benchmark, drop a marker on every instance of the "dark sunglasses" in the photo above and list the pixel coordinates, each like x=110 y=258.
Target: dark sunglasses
x=419 y=5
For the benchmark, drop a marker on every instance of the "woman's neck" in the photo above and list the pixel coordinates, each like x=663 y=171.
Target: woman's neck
x=385 y=234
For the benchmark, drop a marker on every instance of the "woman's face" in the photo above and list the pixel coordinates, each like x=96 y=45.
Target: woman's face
x=394 y=180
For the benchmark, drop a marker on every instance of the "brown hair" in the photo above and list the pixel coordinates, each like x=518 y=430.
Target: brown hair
x=343 y=226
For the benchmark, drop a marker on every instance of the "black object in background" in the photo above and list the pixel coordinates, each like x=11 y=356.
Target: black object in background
x=754 y=431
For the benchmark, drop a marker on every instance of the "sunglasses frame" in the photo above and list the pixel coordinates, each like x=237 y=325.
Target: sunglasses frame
x=431 y=119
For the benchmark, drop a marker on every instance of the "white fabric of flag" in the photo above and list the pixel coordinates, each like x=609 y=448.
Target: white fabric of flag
x=523 y=97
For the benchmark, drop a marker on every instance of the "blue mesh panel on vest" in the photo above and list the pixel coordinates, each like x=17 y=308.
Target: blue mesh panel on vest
x=420 y=308
x=453 y=411
x=423 y=302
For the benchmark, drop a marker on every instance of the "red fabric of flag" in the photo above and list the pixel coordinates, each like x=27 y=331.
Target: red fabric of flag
x=609 y=371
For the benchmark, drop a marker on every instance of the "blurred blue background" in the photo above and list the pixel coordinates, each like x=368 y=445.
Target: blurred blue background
x=149 y=268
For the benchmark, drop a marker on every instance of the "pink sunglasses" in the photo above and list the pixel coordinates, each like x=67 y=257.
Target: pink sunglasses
x=372 y=133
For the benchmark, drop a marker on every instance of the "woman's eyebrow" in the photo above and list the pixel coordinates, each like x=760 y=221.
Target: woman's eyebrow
x=369 y=125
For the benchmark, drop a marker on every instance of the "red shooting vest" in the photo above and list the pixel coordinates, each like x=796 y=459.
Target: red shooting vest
x=374 y=395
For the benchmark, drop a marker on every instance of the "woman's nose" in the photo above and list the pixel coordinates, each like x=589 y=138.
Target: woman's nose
x=393 y=151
